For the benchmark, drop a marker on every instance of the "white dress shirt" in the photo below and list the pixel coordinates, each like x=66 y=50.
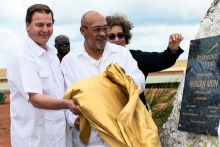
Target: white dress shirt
x=31 y=69
x=78 y=65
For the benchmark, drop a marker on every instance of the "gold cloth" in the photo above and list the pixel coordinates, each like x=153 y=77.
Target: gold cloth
x=110 y=102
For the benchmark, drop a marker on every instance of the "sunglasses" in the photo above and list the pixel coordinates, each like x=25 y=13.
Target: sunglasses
x=63 y=43
x=119 y=35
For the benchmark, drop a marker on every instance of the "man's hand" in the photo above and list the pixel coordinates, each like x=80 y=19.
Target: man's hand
x=174 y=41
x=73 y=107
x=77 y=123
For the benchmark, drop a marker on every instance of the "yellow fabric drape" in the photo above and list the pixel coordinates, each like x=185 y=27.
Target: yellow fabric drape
x=110 y=102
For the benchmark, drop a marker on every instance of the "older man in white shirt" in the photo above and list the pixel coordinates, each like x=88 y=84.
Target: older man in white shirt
x=37 y=85
x=90 y=59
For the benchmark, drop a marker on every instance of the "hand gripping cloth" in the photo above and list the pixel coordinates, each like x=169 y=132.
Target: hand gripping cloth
x=110 y=102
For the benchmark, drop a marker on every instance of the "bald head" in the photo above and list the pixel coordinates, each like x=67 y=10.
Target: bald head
x=61 y=37
x=94 y=29
x=62 y=44
x=90 y=17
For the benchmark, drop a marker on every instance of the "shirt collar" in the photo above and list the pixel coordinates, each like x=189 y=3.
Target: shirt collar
x=36 y=48
x=81 y=51
x=109 y=47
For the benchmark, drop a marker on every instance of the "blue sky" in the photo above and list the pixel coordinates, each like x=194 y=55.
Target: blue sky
x=153 y=21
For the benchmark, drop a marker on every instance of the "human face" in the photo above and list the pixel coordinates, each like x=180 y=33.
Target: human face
x=115 y=30
x=62 y=49
x=40 y=29
x=93 y=39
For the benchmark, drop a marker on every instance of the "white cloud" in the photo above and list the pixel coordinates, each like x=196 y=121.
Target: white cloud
x=11 y=37
x=154 y=21
x=155 y=38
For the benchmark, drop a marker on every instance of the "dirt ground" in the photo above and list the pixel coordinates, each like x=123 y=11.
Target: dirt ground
x=5 y=123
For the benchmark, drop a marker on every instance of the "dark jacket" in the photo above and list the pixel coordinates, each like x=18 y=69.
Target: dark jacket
x=154 y=61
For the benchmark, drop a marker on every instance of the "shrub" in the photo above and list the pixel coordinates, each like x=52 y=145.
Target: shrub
x=2 y=98
x=161 y=101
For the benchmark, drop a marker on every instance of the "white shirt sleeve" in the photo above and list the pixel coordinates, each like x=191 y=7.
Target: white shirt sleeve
x=67 y=73
x=68 y=80
x=29 y=75
x=23 y=76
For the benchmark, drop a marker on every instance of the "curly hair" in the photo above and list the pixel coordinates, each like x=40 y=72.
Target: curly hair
x=120 y=19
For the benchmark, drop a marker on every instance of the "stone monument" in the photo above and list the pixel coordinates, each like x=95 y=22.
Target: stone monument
x=170 y=135
x=201 y=96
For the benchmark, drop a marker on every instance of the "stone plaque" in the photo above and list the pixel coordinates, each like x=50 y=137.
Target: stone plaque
x=201 y=94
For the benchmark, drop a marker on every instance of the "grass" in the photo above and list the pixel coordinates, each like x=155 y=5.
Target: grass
x=203 y=143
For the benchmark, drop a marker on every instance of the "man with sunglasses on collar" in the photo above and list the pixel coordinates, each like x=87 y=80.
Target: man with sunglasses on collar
x=62 y=44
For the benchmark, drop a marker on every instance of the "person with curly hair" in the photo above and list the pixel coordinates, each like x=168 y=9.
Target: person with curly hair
x=120 y=34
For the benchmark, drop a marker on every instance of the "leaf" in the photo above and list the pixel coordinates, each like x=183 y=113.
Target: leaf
x=161 y=101
x=213 y=141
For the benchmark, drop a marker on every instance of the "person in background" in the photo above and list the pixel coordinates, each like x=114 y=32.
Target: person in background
x=91 y=59
x=120 y=34
x=62 y=44
x=37 y=86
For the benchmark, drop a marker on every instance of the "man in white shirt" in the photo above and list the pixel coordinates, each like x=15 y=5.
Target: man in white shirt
x=92 y=58
x=37 y=85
